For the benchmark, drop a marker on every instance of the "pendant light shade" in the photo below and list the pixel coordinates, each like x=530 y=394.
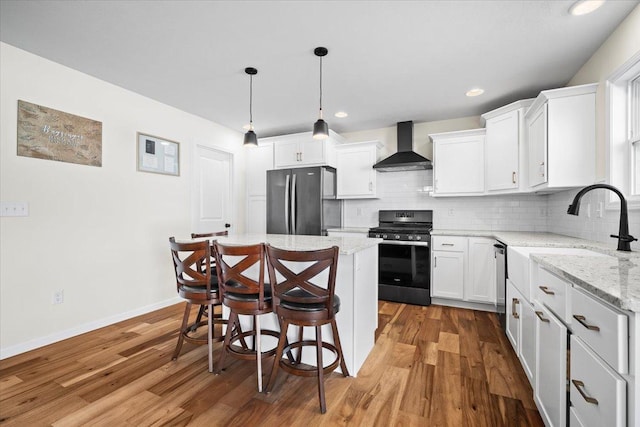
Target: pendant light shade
x=320 y=128
x=250 y=138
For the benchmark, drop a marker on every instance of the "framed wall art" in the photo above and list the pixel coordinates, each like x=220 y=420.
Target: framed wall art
x=158 y=155
x=45 y=133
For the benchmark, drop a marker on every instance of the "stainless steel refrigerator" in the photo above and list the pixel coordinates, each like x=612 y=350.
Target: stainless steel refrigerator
x=302 y=201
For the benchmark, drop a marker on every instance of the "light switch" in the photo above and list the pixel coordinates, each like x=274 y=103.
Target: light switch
x=14 y=209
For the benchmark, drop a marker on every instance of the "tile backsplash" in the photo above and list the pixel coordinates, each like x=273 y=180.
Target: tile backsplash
x=530 y=212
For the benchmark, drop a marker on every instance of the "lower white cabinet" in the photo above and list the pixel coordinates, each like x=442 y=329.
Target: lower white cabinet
x=514 y=299
x=448 y=274
x=528 y=340
x=481 y=286
x=598 y=393
x=463 y=269
x=550 y=391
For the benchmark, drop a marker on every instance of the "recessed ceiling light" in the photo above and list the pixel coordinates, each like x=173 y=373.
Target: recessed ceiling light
x=475 y=92
x=341 y=114
x=582 y=7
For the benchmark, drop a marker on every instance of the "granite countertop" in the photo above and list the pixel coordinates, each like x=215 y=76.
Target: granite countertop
x=347 y=245
x=614 y=278
x=350 y=229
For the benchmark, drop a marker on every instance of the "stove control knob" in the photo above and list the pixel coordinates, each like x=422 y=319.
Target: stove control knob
x=384 y=236
x=418 y=237
x=377 y=235
x=410 y=237
x=397 y=237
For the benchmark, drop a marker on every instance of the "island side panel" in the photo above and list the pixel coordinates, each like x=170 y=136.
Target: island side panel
x=365 y=303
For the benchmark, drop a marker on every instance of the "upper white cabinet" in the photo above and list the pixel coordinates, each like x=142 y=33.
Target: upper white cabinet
x=561 y=137
x=458 y=163
x=505 y=147
x=300 y=149
x=356 y=176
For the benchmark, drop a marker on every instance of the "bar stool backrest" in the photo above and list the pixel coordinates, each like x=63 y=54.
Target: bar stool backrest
x=236 y=266
x=192 y=264
x=303 y=277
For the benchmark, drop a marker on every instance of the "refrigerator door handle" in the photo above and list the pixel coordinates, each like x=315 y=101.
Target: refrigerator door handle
x=286 y=204
x=293 y=205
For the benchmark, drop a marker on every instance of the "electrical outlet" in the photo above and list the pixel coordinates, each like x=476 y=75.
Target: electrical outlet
x=451 y=212
x=14 y=209
x=588 y=210
x=599 y=210
x=58 y=297
x=359 y=211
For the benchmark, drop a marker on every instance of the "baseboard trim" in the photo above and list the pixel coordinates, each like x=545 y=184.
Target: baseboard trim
x=463 y=304
x=81 y=329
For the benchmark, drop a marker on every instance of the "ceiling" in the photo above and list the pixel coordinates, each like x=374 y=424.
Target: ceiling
x=388 y=61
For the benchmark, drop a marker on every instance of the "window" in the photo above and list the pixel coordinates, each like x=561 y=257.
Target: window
x=634 y=133
x=623 y=131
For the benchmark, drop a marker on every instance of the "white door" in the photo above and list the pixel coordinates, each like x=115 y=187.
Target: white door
x=448 y=274
x=212 y=190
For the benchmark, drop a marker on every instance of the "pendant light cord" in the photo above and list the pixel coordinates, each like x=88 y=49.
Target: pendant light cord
x=251 y=102
x=321 y=87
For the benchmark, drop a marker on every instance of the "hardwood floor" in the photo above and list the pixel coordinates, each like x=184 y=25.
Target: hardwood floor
x=430 y=366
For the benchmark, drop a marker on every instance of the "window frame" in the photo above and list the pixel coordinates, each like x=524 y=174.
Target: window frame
x=619 y=144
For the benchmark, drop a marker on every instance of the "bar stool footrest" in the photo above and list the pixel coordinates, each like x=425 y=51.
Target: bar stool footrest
x=246 y=353
x=305 y=370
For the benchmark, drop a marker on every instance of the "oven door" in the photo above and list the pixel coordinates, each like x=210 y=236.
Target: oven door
x=404 y=272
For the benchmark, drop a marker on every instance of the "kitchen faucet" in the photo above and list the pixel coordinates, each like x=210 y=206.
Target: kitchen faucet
x=624 y=238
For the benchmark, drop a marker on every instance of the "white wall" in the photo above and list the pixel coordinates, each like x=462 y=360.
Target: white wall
x=98 y=233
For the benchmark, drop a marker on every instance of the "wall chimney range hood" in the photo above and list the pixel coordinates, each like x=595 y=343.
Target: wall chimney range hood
x=405 y=159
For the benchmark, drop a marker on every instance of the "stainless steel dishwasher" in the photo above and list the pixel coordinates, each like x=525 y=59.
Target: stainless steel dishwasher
x=500 y=254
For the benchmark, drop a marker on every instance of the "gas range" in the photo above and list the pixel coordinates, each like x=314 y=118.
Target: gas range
x=404 y=226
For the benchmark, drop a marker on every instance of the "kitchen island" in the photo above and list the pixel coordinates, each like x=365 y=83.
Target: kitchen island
x=356 y=284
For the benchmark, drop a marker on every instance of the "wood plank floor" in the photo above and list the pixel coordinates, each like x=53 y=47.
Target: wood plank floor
x=431 y=366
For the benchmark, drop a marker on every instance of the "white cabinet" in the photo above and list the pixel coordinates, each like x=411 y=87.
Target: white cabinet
x=448 y=256
x=505 y=147
x=458 y=163
x=355 y=174
x=598 y=394
x=561 y=138
x=481 y=283
x=448 y=274
x=513 y=307
x=550 y=391
x=300 y=149
x=463 y=269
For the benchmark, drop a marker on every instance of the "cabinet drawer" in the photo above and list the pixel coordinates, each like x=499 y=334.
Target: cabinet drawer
x=604 y=329
x=449 y=243
x=553 y=292
x=598 y=394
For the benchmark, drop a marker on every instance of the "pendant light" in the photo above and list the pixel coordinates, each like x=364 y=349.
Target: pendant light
x=320 y=128
x=250 y=138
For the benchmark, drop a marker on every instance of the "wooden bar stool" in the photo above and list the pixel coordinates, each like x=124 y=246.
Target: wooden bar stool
x=197 y=285
x=244 y=295
x=303 y=285
x=214 y=274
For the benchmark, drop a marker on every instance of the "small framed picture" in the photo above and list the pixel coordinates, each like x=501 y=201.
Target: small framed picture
x=158 y=155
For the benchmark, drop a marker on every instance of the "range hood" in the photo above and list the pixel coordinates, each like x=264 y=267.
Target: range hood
x=405 y=159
